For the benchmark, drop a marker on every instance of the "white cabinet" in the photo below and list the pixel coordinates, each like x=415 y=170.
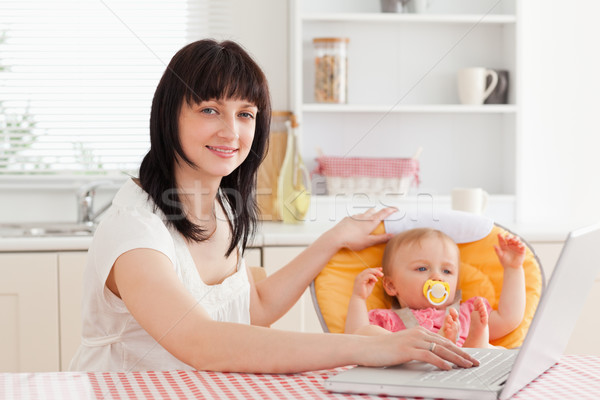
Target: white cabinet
x=40 y=309
x=29 y=337
x=253 y=257
x=70 y=283
x=402 y=88
x=302 y=316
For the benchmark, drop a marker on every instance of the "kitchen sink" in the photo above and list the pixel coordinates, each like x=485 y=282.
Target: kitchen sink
x=45 y=229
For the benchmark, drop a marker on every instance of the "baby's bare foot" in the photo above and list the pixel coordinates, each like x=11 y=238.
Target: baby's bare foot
x=479 y=333
x=451 y=326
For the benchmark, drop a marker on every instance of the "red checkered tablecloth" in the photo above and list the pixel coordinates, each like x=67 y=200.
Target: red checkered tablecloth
x=574 y=377
x=346 y=167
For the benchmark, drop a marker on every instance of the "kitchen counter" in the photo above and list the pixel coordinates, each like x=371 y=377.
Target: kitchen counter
x=268 y=234
x=323 y=214
x=49 y=243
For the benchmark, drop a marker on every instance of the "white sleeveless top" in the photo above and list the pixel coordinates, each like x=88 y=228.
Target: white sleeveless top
x=112 y=340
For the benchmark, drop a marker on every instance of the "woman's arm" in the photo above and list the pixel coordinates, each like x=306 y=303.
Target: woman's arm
x=152 y=292
x=275 y=295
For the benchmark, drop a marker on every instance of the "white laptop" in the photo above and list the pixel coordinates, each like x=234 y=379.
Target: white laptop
x=502 y=372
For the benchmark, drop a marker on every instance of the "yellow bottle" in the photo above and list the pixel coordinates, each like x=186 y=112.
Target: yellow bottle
x=293 y=189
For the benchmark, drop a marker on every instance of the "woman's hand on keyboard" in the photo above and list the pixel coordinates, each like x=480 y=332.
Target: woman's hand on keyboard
x=416 y=344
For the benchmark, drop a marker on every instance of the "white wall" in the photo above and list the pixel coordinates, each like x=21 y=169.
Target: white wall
x=559 y=178
x=558 y=159
x=261 y=26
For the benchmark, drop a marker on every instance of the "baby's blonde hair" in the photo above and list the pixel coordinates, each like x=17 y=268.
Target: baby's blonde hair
x=407 y=238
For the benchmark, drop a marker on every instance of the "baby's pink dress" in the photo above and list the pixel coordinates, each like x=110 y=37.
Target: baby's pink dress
x=429 y=318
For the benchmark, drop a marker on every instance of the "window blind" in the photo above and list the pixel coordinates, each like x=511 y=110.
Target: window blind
x=77 y=78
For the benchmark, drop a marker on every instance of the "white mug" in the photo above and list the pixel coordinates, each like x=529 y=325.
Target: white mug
x=472 y=84
x=418 y=6
x=473 y=200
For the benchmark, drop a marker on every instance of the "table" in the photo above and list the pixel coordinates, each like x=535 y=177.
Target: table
x=574 y=377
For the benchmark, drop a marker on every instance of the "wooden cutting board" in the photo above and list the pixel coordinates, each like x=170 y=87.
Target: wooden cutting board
x=268 y=174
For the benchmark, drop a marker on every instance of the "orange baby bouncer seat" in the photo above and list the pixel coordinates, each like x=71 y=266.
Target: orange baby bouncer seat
x=480 y=271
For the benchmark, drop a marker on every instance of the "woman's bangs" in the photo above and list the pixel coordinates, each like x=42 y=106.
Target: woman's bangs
x=228 y=79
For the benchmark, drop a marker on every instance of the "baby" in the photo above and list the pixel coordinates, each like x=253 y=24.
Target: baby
x=420 y=270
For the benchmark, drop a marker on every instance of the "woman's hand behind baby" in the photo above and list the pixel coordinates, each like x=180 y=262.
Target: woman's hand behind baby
x=355 y=232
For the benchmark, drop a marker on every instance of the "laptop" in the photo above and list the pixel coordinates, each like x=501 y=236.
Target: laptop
x=502 y=372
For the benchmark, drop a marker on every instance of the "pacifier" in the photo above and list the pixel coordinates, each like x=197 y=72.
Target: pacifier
x=436 y=292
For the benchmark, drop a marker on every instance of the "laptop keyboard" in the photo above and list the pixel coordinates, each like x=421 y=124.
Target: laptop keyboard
x=492 y=368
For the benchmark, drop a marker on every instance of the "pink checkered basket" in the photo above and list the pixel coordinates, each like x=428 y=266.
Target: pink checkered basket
x=371 y=176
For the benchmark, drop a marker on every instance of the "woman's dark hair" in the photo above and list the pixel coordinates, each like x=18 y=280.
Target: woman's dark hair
x=201 y=71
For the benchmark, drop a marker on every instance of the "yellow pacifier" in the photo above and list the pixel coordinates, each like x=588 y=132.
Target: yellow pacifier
x=436 y=292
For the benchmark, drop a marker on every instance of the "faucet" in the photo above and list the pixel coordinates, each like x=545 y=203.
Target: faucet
x=85 y=202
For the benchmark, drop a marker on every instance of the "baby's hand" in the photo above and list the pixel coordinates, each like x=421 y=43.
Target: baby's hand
x=510 y=251
x=365 y=281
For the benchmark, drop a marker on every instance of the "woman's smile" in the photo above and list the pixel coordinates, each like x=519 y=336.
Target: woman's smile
x=223 y=151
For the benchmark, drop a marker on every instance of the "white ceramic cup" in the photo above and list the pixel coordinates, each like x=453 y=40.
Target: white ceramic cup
x=418 y=6
x=473 y=200
x=472 y=84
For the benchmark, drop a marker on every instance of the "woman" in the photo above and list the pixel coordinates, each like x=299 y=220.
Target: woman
x=166 y=286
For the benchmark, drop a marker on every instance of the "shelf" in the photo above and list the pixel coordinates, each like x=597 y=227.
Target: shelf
x=411 y=18
x=424 y=108
x=466 y=145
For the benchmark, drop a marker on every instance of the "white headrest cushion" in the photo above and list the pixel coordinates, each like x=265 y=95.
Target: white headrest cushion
x=461 y=226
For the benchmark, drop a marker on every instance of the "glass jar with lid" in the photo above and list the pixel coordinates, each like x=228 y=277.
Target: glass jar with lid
x=331 y=70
